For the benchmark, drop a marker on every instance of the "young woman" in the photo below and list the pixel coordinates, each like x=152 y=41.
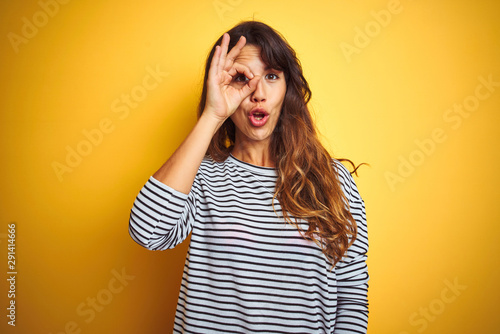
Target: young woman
x=278 y=229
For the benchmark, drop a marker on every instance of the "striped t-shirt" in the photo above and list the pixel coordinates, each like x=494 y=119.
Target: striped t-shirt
x=247 y=271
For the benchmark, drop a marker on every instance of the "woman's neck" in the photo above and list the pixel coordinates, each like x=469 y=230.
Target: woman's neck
x=257 y=154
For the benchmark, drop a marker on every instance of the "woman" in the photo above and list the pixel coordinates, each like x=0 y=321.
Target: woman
x=278 y=231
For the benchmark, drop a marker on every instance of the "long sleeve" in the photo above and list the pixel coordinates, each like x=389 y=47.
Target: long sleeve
x=352 y=271
x=161 y=217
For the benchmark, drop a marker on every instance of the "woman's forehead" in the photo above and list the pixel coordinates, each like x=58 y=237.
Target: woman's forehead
x=251 y=55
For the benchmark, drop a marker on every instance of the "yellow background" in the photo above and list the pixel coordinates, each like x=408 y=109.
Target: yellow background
x=435 y=225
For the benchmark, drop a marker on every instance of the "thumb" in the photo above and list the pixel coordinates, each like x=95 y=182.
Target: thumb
x=250 y=86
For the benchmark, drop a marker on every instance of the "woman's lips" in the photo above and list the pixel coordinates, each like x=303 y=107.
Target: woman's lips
x=258 y=117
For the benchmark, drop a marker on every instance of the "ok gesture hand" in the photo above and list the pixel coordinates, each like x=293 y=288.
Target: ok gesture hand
x=223 y=98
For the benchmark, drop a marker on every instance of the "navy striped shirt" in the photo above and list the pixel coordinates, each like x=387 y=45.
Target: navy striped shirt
x=247 y=271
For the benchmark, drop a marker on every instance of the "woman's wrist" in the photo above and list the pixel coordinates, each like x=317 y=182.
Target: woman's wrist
x=210 y=119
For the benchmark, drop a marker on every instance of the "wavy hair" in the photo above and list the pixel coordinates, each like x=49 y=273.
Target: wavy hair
x=308 y=185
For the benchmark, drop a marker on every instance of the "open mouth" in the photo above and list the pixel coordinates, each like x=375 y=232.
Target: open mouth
x=258 y=117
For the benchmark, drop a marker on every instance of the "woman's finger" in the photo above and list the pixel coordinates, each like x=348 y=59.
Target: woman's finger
x=235 y=51
x=240 y=68
x=249 y=87
x=223 y=51
x=214 y=63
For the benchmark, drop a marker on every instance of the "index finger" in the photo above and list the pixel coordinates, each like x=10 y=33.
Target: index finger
x=235 y=51
x=239 y=68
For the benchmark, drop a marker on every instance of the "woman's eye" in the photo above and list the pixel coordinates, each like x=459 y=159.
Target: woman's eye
x=272 y=76
x=240 y=78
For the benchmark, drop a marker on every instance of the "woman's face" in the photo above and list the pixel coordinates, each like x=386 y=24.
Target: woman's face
x=258 y=113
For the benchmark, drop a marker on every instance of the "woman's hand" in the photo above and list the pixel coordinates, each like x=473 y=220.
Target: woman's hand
x=223 y=98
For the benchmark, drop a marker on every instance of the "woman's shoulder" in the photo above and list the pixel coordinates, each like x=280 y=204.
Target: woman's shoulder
x=342 y=170
x=347 y=181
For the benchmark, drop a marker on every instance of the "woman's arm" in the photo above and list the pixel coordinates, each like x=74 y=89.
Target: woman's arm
x=180 y=169
x=222 y=101
x=352 y=271
x=163 y=213
x=161 y=217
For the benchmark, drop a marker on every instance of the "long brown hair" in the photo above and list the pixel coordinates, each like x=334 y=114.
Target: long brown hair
x=308 y=185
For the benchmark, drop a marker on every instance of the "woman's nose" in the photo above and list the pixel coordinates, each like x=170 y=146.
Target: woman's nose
x=259 y=93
